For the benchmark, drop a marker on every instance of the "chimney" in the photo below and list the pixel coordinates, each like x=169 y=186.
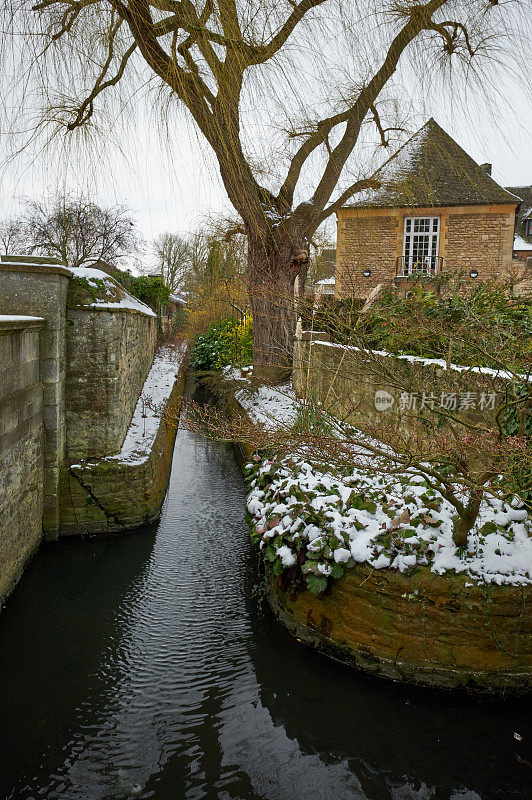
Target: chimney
x=487 y=168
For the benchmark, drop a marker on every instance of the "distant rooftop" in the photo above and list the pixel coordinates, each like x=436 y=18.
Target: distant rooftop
x=522 y=244
x=431 y=169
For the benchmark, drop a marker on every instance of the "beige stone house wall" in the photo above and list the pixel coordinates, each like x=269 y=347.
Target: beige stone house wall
x=471 y=237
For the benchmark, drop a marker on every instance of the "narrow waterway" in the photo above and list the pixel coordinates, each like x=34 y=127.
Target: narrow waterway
x=146 y=666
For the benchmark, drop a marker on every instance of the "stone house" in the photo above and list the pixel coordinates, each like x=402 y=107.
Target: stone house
x=433 y=210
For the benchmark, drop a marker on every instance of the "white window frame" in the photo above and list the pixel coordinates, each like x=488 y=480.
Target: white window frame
x=432 y=235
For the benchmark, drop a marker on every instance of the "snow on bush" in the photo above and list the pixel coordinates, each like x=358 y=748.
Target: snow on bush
x=313 y=523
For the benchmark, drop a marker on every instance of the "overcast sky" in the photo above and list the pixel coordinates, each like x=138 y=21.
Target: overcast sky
x=173 y=184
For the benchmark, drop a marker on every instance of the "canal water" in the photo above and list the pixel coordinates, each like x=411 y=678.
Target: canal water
x=147 y=666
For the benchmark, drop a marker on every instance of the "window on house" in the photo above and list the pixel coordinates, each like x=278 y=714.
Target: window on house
x=420 y=249
x=528 y=227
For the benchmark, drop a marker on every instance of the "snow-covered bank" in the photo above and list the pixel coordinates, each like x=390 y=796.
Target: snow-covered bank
x=150 y=405
x=271 y=406
x=327 y=520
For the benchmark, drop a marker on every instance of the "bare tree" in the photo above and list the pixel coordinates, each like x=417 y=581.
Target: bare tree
x=218 y=57
x=12 y=238
x=173 y=258
x=79 y=232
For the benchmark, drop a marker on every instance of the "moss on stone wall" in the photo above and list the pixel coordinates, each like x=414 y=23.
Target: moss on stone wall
x=420 y=628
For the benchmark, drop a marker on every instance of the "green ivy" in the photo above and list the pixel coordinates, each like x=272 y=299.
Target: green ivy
x=150 y=290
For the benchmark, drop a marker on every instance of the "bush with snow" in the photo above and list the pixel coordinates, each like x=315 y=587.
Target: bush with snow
x=312 y=523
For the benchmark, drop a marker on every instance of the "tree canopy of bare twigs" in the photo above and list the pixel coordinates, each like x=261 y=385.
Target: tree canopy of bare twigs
x=12 y=238
x=283 y=91
x=172 y=253
x=79 y=232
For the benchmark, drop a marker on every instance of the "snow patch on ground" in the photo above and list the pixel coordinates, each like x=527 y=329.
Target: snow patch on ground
x=271 y=406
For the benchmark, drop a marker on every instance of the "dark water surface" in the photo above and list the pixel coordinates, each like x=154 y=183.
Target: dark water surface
x=145 y=666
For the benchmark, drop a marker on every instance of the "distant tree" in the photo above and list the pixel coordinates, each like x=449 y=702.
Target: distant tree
x=78 y=231
x=173 y=259
x=11 y=237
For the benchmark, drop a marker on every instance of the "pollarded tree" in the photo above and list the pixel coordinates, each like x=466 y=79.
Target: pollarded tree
x=283 y=125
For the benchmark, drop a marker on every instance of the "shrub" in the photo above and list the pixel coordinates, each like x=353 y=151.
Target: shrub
x=150 y=290
x=482 y=328
x=225 y=342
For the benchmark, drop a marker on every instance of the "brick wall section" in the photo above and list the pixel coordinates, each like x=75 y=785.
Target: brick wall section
x=39 y=288
x=479 y=241
x=109 y=356
x=365 y=243
x=21 y=449
x=114 y=496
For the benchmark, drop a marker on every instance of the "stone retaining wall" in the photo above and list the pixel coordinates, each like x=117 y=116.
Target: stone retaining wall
x=114 y=495
x=346 y=382
x=21 y=448
x=38 y=286
x=422 y=628
x=73 y=376
x=109 y=354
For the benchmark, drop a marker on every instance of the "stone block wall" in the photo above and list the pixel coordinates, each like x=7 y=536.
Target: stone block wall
x=365 y=242
x=480 y=241
x=436 y=630
x=21 y=447
x=70 y=375
x=346 y=383
x=38 y=286
x=109 y=354
x=114 y=495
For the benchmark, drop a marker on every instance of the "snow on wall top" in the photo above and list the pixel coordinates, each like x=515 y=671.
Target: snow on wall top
x=111 y=294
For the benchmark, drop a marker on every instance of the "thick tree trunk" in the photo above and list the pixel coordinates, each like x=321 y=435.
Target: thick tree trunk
x=271 y=276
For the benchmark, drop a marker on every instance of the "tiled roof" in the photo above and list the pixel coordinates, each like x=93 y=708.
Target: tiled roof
x=431 y=169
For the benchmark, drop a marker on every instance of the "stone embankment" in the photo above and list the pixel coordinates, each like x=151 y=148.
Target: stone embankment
x=127 y=490
x=76 y=350
x=435 y=630
x=446 y=630
x=21 y=446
